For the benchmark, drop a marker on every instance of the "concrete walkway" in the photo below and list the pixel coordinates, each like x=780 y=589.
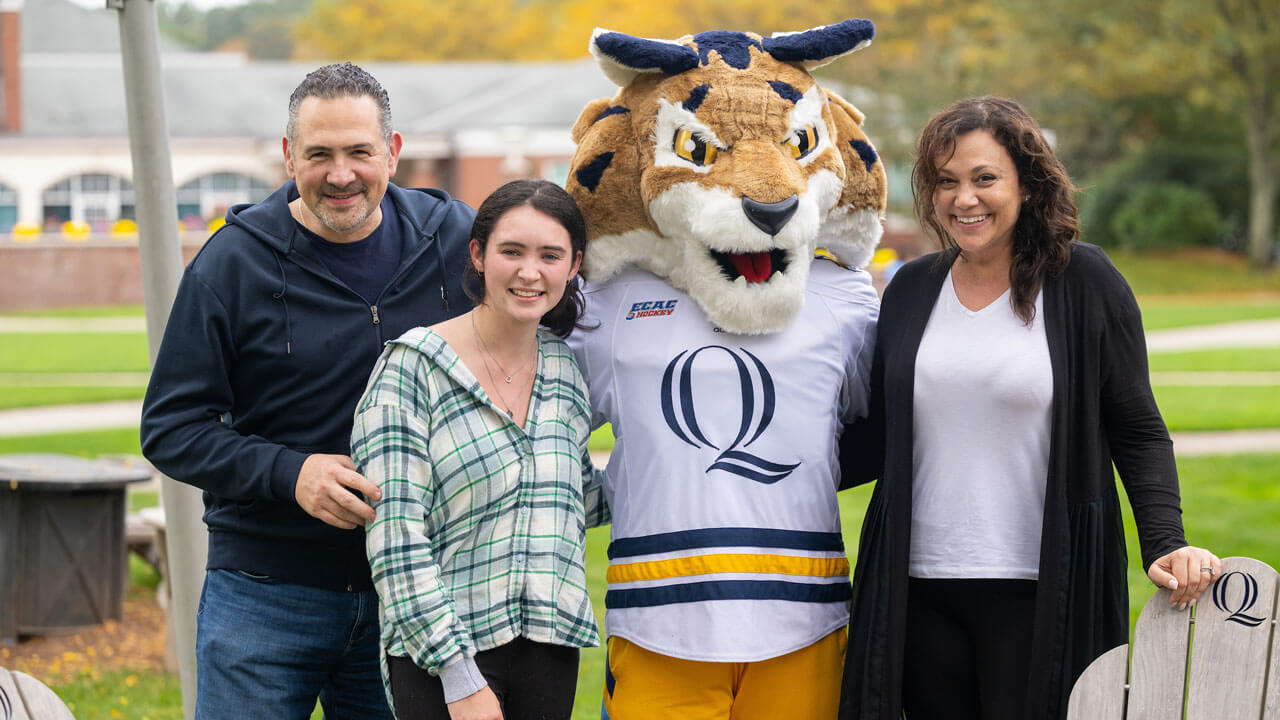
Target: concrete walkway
x=1243 y=334
x=62 y=324
x=1186 y=444
x=70 y=418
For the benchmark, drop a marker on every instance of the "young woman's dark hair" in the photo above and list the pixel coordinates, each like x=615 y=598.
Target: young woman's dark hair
x=1046 y=224
x=551 y=200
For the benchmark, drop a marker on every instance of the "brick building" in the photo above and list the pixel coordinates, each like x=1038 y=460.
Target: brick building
x=64 y=148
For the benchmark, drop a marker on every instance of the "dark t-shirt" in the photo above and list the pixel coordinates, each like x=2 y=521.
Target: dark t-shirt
x=365 y=265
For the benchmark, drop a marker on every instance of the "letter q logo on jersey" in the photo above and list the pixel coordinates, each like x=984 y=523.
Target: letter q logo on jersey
x=689 y=372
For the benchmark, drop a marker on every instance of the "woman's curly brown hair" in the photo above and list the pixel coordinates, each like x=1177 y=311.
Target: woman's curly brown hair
x=1047 y=222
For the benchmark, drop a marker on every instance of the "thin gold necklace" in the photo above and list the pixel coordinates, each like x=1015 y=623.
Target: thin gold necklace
x=485 y=349
x=485 y=356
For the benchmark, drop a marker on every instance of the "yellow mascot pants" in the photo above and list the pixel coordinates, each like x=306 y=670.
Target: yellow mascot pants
x=643 y=685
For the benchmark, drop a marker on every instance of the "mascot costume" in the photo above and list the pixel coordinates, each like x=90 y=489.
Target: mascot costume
x=728 y=337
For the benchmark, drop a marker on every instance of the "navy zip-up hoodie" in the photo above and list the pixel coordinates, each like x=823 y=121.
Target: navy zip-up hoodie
x=264 y=357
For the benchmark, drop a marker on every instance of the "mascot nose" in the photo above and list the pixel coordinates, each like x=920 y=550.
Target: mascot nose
x=770 y=217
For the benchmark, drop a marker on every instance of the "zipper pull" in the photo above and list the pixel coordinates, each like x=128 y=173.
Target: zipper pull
x=374 y=310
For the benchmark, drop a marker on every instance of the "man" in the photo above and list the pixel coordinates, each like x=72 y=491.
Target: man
x=276 y=326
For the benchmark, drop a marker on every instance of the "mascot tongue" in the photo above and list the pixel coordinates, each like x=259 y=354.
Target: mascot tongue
x=755 y=267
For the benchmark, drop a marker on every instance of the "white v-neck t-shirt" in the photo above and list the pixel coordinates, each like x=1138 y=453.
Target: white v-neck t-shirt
x=983 y=393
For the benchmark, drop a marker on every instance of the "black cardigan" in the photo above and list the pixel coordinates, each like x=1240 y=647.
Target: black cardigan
x=1103 y=411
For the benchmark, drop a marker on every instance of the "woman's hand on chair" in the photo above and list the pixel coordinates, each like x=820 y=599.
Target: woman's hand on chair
x=1187 y=571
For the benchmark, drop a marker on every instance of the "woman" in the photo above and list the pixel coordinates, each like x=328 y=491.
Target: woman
x=1010 y=372
x=476 y=431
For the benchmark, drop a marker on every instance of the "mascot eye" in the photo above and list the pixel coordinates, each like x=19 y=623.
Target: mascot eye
x=694 y=149
x=802 y=142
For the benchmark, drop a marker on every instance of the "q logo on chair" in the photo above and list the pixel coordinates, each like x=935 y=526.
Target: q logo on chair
x=753 y=378
x=1246 y=603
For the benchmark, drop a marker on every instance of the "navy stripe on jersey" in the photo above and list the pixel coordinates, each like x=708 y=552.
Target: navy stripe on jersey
x=726 y=537
x=729 y=590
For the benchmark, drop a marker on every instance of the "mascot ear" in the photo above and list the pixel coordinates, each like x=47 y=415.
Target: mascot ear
x=623 y=57
x=821 y=45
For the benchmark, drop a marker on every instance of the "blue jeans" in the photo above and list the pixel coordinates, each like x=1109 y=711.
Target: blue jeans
x=268 y=649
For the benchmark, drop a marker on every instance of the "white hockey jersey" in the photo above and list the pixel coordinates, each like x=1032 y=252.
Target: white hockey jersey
x=726 y=540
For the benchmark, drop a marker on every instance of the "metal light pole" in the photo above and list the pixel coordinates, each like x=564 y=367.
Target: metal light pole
x=160 y=248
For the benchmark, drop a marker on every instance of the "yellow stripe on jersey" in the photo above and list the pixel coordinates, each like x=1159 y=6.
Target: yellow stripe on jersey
x=729 y=563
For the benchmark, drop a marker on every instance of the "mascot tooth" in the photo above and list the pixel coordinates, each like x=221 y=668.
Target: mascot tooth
x=729 y=201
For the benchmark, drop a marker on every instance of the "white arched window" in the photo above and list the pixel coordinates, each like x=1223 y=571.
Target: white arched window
x=209 y=196
x=98 y=199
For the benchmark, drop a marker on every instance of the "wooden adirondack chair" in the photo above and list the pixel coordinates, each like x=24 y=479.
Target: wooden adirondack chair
x=1220 y=662
x=22 y=697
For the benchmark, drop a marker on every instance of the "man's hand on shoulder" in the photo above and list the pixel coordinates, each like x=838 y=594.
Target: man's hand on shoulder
x=324 y=490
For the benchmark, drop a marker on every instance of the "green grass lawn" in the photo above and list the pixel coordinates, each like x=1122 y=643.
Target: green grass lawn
x=123 y=694
x=1163 y=314
x=17 y=396
x=1219 y=408
x=83 y=312
x=1252 y=360
x=74 y=352
x=84 y=444
x=1192 y=271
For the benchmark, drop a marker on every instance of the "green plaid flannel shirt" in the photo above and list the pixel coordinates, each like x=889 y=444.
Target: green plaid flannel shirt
x=480 y=531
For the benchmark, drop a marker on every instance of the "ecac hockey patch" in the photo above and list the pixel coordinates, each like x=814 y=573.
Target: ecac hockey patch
x=651 y=308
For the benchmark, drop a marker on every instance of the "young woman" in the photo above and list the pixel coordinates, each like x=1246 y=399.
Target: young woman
x=1010 y=372
x=476 y=430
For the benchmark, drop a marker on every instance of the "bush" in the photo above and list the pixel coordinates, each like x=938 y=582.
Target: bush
x=1221 y=172
x=1166 y=215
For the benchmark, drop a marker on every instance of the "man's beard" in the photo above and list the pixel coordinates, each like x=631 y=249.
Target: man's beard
x=346 y=219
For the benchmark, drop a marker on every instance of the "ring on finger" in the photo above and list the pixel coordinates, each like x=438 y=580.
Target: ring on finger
x=1208 y=569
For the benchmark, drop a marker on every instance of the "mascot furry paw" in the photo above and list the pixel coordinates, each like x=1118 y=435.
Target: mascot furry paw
x=721 y=165
x=727 y=359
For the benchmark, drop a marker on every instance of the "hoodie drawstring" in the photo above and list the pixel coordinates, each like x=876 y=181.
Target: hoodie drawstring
x=444 y=275
x=284 y=287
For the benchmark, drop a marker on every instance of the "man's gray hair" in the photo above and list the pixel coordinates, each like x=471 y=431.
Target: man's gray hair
x=337 y=81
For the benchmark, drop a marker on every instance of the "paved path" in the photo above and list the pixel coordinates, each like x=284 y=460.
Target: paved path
x=1243 y=334
x=23 y=324
x=1223 y=378
x=1231 y=442
x=70 y=418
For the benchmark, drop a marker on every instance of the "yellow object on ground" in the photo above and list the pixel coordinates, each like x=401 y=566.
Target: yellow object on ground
x=26 y=232
x=124 y=229
x=76 y=230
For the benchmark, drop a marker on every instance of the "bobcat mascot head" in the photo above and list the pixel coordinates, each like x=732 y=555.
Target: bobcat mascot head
x=722 y=166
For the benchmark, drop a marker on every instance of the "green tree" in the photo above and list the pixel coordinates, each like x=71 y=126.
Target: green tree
x=262 y=29
x=1217 y=54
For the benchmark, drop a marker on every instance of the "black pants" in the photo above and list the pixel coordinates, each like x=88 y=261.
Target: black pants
x=968 y=648
x=533 y=681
